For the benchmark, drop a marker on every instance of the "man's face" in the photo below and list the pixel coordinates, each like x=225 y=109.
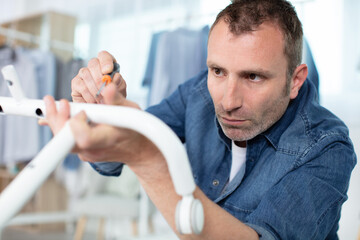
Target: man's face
x=247 y=79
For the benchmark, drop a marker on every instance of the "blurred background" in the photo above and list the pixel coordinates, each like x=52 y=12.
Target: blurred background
x=49 y=41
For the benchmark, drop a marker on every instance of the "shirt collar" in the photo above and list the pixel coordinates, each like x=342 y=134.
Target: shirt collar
x=274 y=133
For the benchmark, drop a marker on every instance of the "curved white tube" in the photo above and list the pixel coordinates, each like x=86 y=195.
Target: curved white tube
x=27 y=182
x=148 y=125
x=12 y=80
x=23 y=187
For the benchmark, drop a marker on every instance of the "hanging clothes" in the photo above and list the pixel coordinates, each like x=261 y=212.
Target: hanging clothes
x=45 y=67
x=66 y=71
x=179 y=55
x=7 y=56
x=20 y=135
x=147 y=80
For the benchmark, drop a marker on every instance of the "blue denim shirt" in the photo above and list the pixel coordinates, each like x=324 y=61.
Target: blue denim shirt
x=297 y=172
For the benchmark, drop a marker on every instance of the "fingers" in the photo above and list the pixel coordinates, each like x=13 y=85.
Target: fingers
x=120 y=83
x=117 y=79
x=56 y=118
x=80 y=128
x=80 y=91
x=89 y=82
x=43 y=122
x=95 y=70
x=112 y=96
x=120 y=86
x=106 y=61
x=91 y=137
x=86 y=84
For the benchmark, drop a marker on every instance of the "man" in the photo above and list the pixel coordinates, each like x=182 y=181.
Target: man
x=269 y=162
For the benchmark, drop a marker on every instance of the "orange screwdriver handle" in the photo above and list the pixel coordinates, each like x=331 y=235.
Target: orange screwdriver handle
x=106 y=79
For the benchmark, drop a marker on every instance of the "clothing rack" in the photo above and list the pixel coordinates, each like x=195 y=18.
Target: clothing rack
x=45 y=44
x=48 y=31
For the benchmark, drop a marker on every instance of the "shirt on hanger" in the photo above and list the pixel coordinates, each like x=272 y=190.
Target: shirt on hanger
x=45 y=69
x=180 y=54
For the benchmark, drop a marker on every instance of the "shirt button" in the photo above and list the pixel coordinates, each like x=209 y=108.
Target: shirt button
x=215 y=182
x=251 y=160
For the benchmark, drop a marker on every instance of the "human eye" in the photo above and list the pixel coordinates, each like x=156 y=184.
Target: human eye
x=218 y=72
x=253 y=77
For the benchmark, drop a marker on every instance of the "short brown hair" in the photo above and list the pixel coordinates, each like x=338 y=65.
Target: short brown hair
x=246 y=15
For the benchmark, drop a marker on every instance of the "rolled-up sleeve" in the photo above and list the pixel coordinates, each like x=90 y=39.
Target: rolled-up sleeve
x=108 y=168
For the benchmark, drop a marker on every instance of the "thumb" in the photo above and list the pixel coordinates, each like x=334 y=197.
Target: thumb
x=80 y=129
x=91 y=136
x=113 y=97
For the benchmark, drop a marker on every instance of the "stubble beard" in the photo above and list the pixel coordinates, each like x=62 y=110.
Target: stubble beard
x=254 y=125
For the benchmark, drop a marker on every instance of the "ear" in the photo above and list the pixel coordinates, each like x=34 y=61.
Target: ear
x=297 y=80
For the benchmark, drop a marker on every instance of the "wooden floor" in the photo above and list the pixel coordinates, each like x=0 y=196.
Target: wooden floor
x=16 y=234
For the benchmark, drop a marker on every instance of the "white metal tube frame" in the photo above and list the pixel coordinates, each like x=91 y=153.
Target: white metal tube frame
x=189 y=212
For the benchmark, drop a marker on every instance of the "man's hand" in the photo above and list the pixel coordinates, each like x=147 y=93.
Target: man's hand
x=86 y=84
x=100 y=142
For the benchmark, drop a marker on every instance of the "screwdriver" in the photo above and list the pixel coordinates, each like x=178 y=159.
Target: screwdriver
x=106 y=79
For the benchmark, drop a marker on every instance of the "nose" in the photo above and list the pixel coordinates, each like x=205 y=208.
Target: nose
x=233 y=96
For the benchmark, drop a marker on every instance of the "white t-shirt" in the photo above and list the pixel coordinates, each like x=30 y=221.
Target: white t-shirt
x=238 y=161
